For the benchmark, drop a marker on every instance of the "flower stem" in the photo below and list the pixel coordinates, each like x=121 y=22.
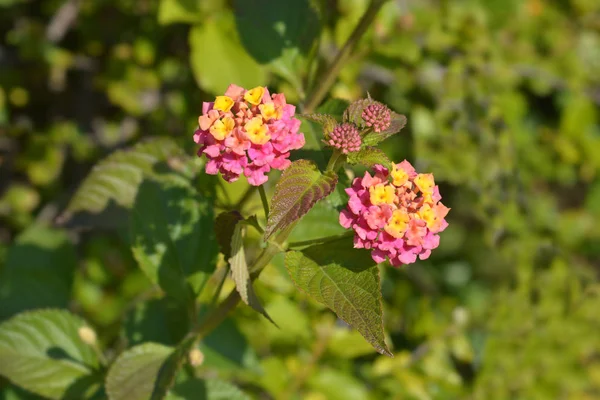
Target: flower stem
x=333 y=160
x=263 y=199
x=320 y=240
x=328 y=78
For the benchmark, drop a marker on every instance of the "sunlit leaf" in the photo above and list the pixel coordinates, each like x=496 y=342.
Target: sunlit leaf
x=42 y=352
x=114 y=181
x=218 y=59
x=298 y=189
x=368 y=157
x=133 y=374
x=210 y=389
x=345 y=280
x=241 y=274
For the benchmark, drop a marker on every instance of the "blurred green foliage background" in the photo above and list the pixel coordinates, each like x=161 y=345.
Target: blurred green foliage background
x=503 y=106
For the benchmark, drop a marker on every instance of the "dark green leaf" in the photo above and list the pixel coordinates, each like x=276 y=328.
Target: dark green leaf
x=241 y=274
x=170 y=368
x=113 y=182
x=38 y=271
x=210 y=389
x=42 y=352
x=224 y=226
x=158 y=320
x=268 y=27
x=298 y=189
x=345 y=280
x=134 y=373
x=173 y=239
x=227 y=348
x=369 y=156
x=334 y=107
x=218 y=59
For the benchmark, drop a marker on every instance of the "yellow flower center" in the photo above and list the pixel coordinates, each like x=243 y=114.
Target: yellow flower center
x=382 y=194
x=269 y=111
x=222 y=127
x=257 y=132
x=254 y=96
x=425 y=183
x=397 y=224
x=399 y=176
x=223 y=103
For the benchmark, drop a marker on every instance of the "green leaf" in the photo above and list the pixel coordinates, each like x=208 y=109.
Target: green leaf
x=211 y=389
x=218 y=59
x=225 y=224
x=334 y=107
x=161 y=321
x=187 y=11
x=173 y=239
x=328 y=122
x=268 y=27
x=345 y=280
x=323 y=215
x=369 y=156
x=113 y=182
x=226 y=348
x=298 y=189
x=397 y=123
x=241 y=274
x=134 y=373
x=41 y=351
x=38 y=271
x=170 y=368
x=353 y=113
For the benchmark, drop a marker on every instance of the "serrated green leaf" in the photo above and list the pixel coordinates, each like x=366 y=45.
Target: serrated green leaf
x=173 y=239
x=369 y=156
x=41 y=351
x=353 y=113
x=345 y=280
x=268 y=27
x=114 y=181
x=298 y=189
x=398 y=122
x=172 y=11
x=241 y=274
x=218 y=59
x=211 y=389
x=134 y=373
x=38 y=271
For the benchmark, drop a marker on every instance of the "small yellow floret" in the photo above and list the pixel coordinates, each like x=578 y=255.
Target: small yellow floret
x=425 y=183
x=221 y=128
x=223 y=103
x=397 y=225
x=257 y=132
x=399 y=176
x=269 y=111
x=382 y=194
x=427 y=214
x=254 y=96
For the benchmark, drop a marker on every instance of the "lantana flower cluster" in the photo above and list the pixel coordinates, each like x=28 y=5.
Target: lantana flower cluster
x=247 y=132
x=396 y=214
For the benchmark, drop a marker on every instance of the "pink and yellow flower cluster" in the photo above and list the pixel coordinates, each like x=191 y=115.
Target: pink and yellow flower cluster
x=247 y=132
x=396 y=214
